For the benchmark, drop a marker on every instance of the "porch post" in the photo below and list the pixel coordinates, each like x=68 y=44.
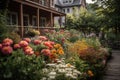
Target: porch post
x=21 y=20
x=38 y=18
x=51 y=21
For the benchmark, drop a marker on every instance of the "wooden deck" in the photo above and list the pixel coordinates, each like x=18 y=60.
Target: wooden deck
x=113 y=67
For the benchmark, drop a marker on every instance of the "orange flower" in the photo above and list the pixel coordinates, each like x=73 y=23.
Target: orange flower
x=7 y=50
x=53 y=51
x=23 y=43
x=8 y=40
x=90 y=73
x=61 y=52
x=37 y=42
x=16 y=46
x=27 y=40
x=57 y=45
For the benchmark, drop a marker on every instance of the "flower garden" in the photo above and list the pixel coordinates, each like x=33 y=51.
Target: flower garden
x=58 y=55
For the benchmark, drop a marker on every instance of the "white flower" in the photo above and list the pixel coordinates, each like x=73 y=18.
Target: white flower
x=45 y=70
x=68 y=69
x=44 y=78
x=52 y=77
x=52 y=74
x=76 y=71
x=61 y=70
x=51 y=65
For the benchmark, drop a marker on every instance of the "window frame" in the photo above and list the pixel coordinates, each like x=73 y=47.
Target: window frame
x=41 y=22
x=26 y=15
x=11 y=20
x=32 y=21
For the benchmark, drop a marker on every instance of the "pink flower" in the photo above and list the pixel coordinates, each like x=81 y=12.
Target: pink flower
x=23 y=43
x=28 y=50
x=27 y=40
x=28 y=47
x=7 y=40
x=43 y=38
x=6 y=44
x=16 y=46
x=51 y=42
x=48 y=44
x=0 y=46
x=46 y=30
x=37 y=42
x=7 y=50
x=46 y=52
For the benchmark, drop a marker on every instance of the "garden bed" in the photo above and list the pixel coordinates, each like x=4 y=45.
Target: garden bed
x=59 y=55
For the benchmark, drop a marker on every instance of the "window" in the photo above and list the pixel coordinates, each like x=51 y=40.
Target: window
x=42 y=2
x=25 y=20
x=52 y=3
x=12 y=18
x=68 y=10
x=34 y=21
x=67 y=1
x=42 y=22
x=64 y=10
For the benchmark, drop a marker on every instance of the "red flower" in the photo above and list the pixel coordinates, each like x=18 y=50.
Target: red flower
x=16 y=46
x=37 y=42
x=43 y=38
x=27 y=40
x=28 y=47
x=23 y=43
x=7 y=50
x=51 y=42
x=46 y=52
x=0 y=46
x=63 y=40
x=6 y=44
x=28 y=50
x=8 y=40
x=48 y=44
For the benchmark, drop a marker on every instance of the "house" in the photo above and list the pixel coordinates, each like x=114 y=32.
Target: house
x=68 y=6
x=38 y=14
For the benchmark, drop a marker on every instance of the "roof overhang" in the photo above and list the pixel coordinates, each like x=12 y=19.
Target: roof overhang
x=37 y=5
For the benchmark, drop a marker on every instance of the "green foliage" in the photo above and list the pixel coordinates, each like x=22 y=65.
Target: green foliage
x=32 y=32
x=3 y=28
x=20 y=67
x=14 y=36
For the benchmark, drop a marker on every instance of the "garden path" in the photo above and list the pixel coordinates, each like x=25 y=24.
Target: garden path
x=113 y=67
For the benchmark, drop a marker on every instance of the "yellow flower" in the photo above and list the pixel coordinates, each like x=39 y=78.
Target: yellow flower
x=57 y=46
x=68 y=65
x=61 y=52
x=90 y=73
x=53 y=51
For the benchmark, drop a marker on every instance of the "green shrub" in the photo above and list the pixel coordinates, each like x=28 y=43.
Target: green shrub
x=14 y=36
x=19 y=66
x=3 y=28
x=32 y=32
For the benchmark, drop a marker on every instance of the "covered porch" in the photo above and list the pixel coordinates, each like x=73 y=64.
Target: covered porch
x=24 y=15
